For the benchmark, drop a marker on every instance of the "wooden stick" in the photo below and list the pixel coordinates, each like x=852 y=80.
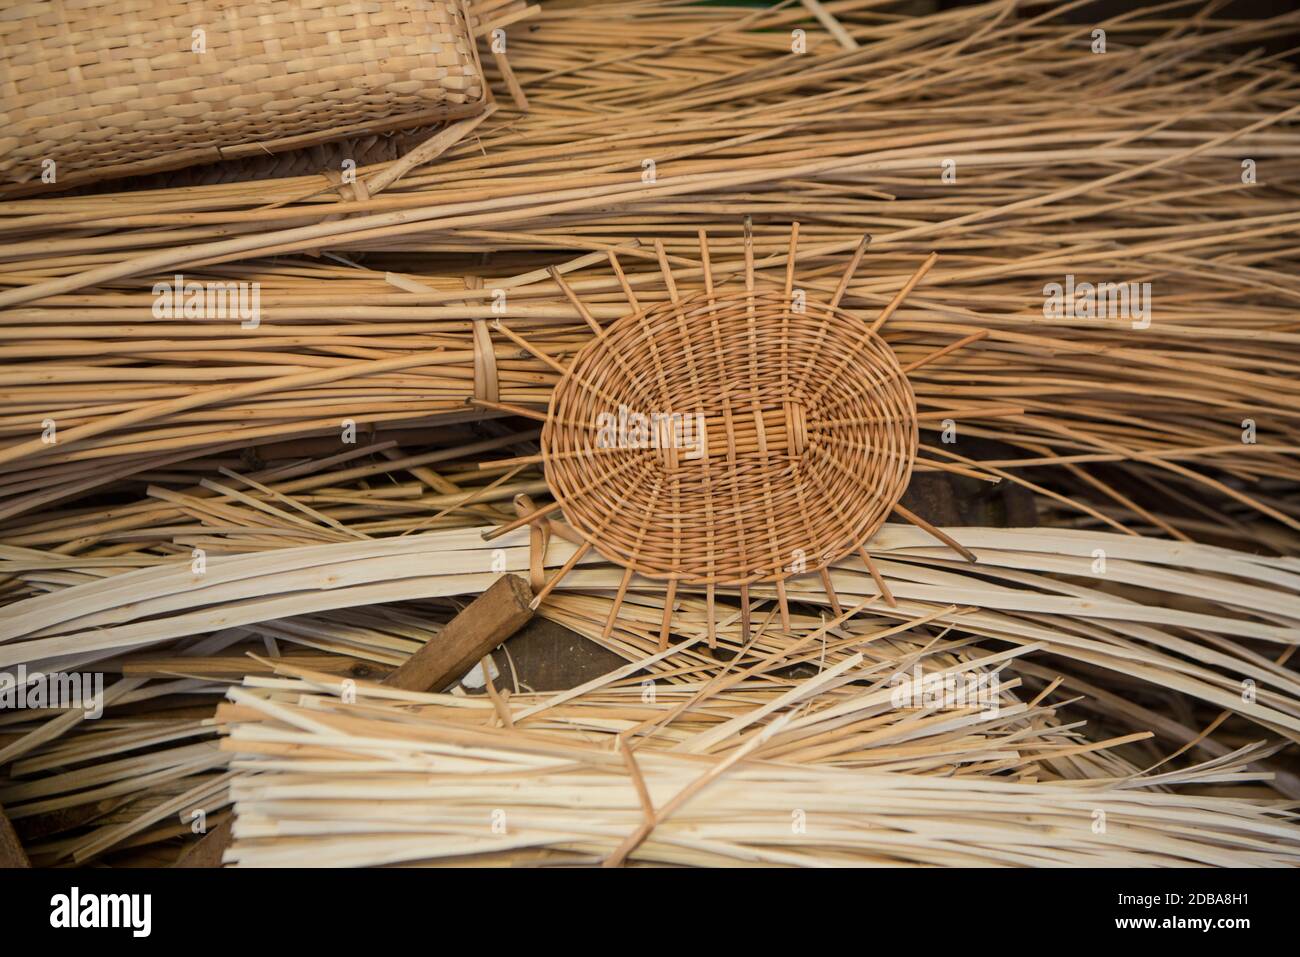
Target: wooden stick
x=511 y=81
x=481 y=625
x=938 y=533
x=879 y=579
x=833 y=26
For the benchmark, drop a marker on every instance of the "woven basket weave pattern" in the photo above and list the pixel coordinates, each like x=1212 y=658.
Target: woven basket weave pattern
x=114 y=85
x=805 y=438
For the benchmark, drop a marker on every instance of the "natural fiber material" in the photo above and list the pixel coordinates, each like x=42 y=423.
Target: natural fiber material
x=1169 y=633
x=1056 y=174
x=199 y=500
x=719 y=776
x=756 y=466
x=108 y=88
x=783 y=433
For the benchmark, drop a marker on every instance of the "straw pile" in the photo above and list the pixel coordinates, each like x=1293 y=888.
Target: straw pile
x=1164 y=659
x=715 y=780
x=332 y=463
x=1142 y=182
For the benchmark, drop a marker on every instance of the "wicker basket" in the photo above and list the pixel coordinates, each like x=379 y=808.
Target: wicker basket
x=728 y=437
x=109 y=88
x=800 y=433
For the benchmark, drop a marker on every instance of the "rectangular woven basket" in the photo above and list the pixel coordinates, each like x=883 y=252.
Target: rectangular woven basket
x=97 y=89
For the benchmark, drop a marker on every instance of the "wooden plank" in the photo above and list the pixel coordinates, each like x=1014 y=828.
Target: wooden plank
x=482 y=625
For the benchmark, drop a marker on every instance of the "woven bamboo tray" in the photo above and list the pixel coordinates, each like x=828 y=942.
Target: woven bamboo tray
x=109 y=88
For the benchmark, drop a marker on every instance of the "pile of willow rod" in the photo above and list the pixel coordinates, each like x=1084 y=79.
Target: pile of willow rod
x=266 y=436
x=171 y=639
x=713 y=776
